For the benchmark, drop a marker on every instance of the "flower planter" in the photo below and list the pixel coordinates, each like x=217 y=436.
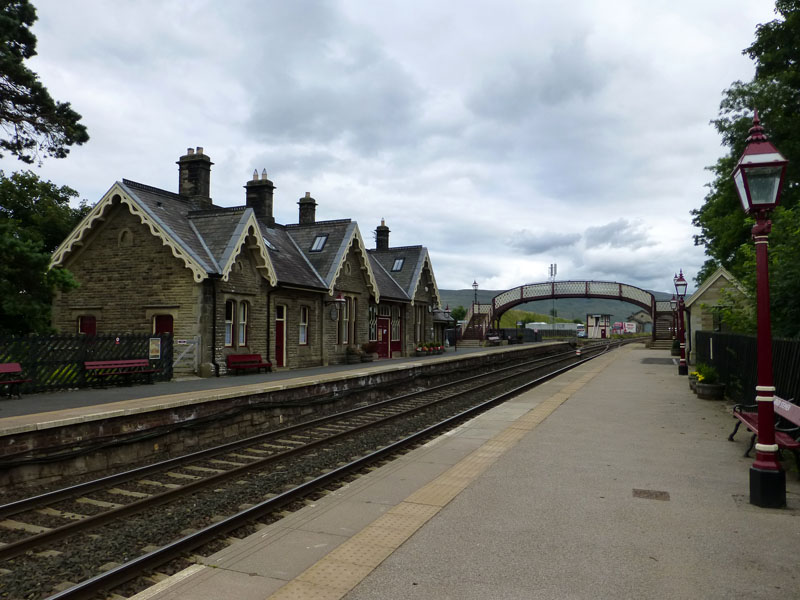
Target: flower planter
x=421 y=353
x=693 y=383
x=710 y=391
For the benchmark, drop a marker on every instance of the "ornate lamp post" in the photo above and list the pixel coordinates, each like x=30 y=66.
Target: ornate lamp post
x=680 y=291
x=475 y=289
x=759 y=178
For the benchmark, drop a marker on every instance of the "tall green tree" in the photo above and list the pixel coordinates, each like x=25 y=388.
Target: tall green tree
x=32 y=124
x=35 y=216
x=724 y=228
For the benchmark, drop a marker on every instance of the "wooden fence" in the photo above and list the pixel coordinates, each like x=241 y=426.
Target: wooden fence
x=55 y=362
x=734 y=357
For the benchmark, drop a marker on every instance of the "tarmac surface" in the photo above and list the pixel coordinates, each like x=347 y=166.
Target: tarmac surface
x=612 y=480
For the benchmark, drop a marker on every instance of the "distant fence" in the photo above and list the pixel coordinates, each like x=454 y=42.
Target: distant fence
x=734 y=357
x=55 y=362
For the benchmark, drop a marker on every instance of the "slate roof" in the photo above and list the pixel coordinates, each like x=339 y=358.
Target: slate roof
x=291 y=265
x=413 y=262
x=327 y=260
x=389 y=288
x=211 y=237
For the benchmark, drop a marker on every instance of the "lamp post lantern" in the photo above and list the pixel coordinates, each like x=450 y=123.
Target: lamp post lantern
x=475 y=289
x=680 y=292
x=759 y=176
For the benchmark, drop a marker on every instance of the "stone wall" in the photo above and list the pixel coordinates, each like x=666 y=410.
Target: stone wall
x=128 y=277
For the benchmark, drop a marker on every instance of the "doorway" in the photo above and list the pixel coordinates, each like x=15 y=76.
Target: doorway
x=383 y=337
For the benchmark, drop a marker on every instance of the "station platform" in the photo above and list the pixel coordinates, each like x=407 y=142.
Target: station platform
x=612 y=480
x=53 y=409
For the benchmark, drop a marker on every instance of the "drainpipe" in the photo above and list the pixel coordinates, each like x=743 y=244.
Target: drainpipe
x=213 y=279
x=269 y=293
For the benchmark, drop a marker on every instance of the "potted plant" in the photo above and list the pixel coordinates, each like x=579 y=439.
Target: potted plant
x=421 y=351
x=370 y=351
x=693 y=380
x=353 y=355
x=708 y=386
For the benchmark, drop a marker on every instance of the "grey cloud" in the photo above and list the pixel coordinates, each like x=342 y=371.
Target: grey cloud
x=619 y=234
x=520 y=86
x=538 y=242
x=334 y=84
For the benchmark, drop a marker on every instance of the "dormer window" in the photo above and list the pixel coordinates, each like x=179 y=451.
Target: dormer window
x=319 y=242
x=398 y=264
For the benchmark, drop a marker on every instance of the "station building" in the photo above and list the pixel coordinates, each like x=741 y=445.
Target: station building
x=232 y=280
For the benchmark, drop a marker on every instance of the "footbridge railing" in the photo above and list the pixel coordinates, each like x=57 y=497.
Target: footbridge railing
x=479 y=314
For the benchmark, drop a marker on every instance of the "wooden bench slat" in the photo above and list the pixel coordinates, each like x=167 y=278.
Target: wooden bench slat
x=784 y=409
x=9 y=369
x=240 y=362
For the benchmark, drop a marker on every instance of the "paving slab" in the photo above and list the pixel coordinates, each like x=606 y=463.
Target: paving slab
x=615 y=481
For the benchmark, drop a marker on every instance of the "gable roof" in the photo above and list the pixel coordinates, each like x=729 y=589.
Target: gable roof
x=408 y=277
x=710 y=280
x=328 y=261
x=389 y=288
x=206 y=247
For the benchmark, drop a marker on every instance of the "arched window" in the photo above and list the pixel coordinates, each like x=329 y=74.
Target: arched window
x=230 y=318
x=242 y=324
x=303 y=339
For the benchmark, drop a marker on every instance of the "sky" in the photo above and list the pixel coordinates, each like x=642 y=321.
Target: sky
x=504 y=136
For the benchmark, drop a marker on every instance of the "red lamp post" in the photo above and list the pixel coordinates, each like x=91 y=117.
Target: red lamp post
x=680 y=291
x=759 y=178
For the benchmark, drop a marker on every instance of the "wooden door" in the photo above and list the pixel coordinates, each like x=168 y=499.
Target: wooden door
x=383 y=337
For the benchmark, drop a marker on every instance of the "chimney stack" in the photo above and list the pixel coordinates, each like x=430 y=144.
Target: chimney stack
x=259 y=195
x=382 y=236
x=308 y=210
x=194 y=178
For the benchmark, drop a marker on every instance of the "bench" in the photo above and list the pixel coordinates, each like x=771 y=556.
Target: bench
x=124 y=370
x=786 y=436
x=242 y=362
x=493 y=340
x=11 y=374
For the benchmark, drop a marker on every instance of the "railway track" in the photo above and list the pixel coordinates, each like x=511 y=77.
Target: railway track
x=96 y=536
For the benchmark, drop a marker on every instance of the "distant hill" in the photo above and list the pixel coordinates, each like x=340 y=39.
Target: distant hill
x=566 y=308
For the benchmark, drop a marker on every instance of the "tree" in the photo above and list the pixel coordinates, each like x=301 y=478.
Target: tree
x=35 y=216
x=458 y=313
x=34 y=126
x=724 y=228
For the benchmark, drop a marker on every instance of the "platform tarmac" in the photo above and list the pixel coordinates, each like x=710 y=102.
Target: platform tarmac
x=612 y=480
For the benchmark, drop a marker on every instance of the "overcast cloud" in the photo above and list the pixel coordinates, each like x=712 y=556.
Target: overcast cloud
x=503 y=136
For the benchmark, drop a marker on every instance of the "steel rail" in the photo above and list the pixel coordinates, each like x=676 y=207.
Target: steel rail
x=25 y=504
x=127 y=571
x=26 y=544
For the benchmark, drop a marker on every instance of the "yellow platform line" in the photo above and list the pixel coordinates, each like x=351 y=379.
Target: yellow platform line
x=334 y=575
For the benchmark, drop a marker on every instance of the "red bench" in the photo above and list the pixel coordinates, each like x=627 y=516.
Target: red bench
x=124 y=370
x=11 y=374
x=242 y=362
x=787 y=425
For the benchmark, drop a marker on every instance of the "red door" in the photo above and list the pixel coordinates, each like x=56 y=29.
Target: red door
x=383 y=337
x=162 y=324
x=280 y=336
